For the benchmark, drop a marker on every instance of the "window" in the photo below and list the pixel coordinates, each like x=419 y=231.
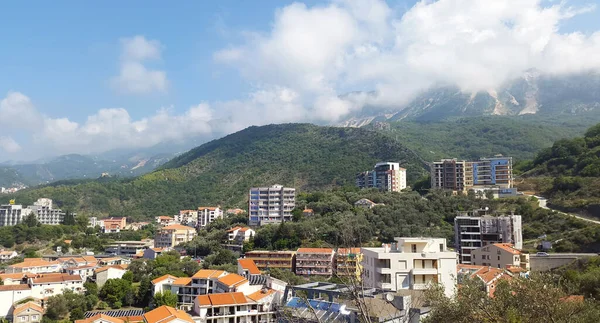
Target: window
x=413 y=248
x=386 y=278
x=441 y=247
x=498 y=257
x=34 y=317
x=23 y=318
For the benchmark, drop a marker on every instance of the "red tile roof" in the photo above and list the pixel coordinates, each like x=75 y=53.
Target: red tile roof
x=178 y=227
x=161 y=278
x=222 y=299
x=208 y=273
x=56 y=279
x=29 y=305
x=233 y=280
x=14 y=287
x=315 y=250
x=257 y=296
x=102 y=318
x=166 y=314
x=249 y=265
x=508 y=247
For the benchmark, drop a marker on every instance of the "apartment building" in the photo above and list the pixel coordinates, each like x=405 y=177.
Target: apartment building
x=476 y=229
x=165 y=220
x=240 y=234
x=314 y=262
x=500 y=255
x=348 y=263
x=113 y=224
x=34 y=266
x=11 y=294
x=273 y=259
x=45 y=213
x=207 y=214
x=173 y=235
x=232 y=283
x=461 y=176
x=187 y=217
x=12 y=214
x=43 y=286
x=166 y=314
x=235 y=307
x=128 y=248
x=268 y=205
x=386 y=176
x=410 y=264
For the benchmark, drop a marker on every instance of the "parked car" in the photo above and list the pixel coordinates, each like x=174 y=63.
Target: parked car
x=542 y=254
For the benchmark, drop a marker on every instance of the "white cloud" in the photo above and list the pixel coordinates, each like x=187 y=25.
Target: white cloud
x=134 y=77
x=9 y=145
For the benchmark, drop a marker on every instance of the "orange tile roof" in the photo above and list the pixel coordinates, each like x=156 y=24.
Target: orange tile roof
x=110 y=259
x=464 y=266
x=68 y=241
x=105 y=268
x=164 y=217
x=223 y=299
x=132 y=319
x=347 y=251
x=232 y=280
x=161 y=278
x=211 y=208
x=166 y=314
x=89 y=258
x=249 y=265
x=14 y=287
x=515 y=270
x=183 y=281
x=307 y=211
x=29 y=305
x=208 y=273
x=488 y=274
x=178 y=227
x=234 y=229
x=17 y=276
x=258 y=295
x=315 y=250
x=102 y=317
x=56 y=279
x=34 y=262
x=508 y=247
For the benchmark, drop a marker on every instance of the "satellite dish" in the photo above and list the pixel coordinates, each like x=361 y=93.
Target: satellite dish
x=389 y=297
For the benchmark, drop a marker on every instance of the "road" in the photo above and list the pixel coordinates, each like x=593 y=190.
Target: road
x=542 y=202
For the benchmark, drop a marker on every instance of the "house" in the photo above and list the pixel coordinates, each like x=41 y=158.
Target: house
x=500 y=255
x=113 y=224
x=348 y=263
x=69 y=262
x=10 y=294
x=308 y=212
x=235 y=211
x=208 y=214
x=35 y=266
x=410 y=264
x=152 y=253
x=231 y=283
x=28 y=312
x=187 y=217
x=489 y=276
x=240 y=234
x=164 y=220
x=13 y=279
x=247 y=268
x=173 y=235
x=234 y=307
x=135 y=226
x=109 y=272
x=101 y=318
x=83 y=271
x=314 y=262
x=273 y=259
x=167 y=314
x=43 y=286
x=7 y=255
x=110 y=261
x=128 y=248
x=162 y=283
x=366 y=203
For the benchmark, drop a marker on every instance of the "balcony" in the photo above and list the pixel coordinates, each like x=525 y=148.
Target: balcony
x=425 y=271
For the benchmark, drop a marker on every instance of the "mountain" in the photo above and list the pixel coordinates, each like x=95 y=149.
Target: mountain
x=532 y=93
x=221 y=171
x=568 y=173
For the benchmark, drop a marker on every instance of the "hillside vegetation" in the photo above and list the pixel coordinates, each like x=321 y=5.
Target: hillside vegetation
x=569 y=173
x=221 y=172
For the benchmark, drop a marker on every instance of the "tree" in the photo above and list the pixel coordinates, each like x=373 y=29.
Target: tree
x=167 y=298
x=76 y=314
x=69 y=219
x=31 y=220
x=82 y=221
x=90 y=288
x=128 y=276
x=57 y=307
x=144 y=292
x=115 y=291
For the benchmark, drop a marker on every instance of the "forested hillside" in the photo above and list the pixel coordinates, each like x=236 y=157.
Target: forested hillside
x=569 y=173
x=221 y=172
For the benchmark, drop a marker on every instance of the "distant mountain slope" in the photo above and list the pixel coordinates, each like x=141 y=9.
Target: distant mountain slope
x=221 y=171
x=532 y=93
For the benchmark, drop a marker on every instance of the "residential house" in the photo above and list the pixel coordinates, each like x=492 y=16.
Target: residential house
x=128 y=248
x=113 y=224
x=235 y=211
x=187 y=217
x=135 y=226
x=208 y=214
x=231 y=283
x=240 y=234
x=489 y=276
x=273 y=259
x=102 y=318
x=410 y=264
x=109 y=272
x=247 y=268
x=110 y=261
x=173 y=235
x=366 y=203
x=205 y=280
x=29 y=312
x=6 y=255
x=13 y=279
x=314 y=262
x=167 y=314
x=164 y=220
x=500 y=255
x=77 y=261
x=162 y=284
x=35 y=266
x=10 y=294
x=348 y=263
x=308 y=212
x=152 y=253
x=83 y=271
x=43 y=286
x=233 y=307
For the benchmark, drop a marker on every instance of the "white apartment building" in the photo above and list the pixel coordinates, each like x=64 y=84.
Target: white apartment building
x=240 y=234
x=410 y=263
x=500 y=255
x=44 y=286
x=187 y=217
x=35 y=266
x=235 y=307
x=268 y=205
x=207 y=214
x=45 y=213
x=387 y=176
x=109 y=272
x=12 y=214
x=129 y=248
x=476 y=229
x=10 y=294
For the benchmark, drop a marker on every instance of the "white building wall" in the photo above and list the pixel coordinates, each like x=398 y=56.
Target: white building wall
x=111 y=273
x=9 y=297
x=50 y=289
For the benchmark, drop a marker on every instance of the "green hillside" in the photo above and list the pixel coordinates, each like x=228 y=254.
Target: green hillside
x=221 y=171
x=569 y=173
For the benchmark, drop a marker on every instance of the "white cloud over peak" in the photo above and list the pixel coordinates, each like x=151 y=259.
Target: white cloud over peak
x=134 y=76
x=9 y=145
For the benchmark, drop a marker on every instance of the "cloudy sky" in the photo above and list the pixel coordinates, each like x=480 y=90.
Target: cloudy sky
x=83 y=77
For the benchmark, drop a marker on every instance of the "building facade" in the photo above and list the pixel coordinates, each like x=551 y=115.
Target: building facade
x=500 y=255
x=273 y=259
x=473 y=230
x=173 y=235
x=314 y=262
x=386 y=176
x=45 y=213
x=128 y=248
x=410 y=263
x=207 y=214
x=268 y=205
x=12 y=214
x=461 y=176
x=348 y=264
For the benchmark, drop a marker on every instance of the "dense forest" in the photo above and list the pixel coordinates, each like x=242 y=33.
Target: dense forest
x=304 y=156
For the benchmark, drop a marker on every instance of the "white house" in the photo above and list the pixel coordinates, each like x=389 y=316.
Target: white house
x=83 y=271
x=10 y=294
x=109 y=272
x=7 y=255
x=53 y=284
x=35 y=266
x=410 y=263
x=152 y=253
x=240 y=234
x=223 y=307
x=162 y=284
x=29 y=312
x=167 y=314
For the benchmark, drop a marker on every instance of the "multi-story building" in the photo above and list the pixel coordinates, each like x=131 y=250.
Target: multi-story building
x=348 y=263
x=410 y=263
x=29 y=312
x=173 y=235
x=12 y=214
x=187 y=217
x=109 y=272
x=44 y=286
x=113 y=224
x=166 y=314
x=476 y=229
x=128 y=248
x=269 y=205
x=236 y=307
x=314 y=262
x=386 y=176
x=500 y=255
x=11 y=294
x=165 y=220
x=207 y=214
x=455 y=175
x=273 y=259
x=45 y=213
x=35 y=266
x=240 y=234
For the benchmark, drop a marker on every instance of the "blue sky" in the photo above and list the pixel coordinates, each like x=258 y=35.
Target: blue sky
x=225 y=65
